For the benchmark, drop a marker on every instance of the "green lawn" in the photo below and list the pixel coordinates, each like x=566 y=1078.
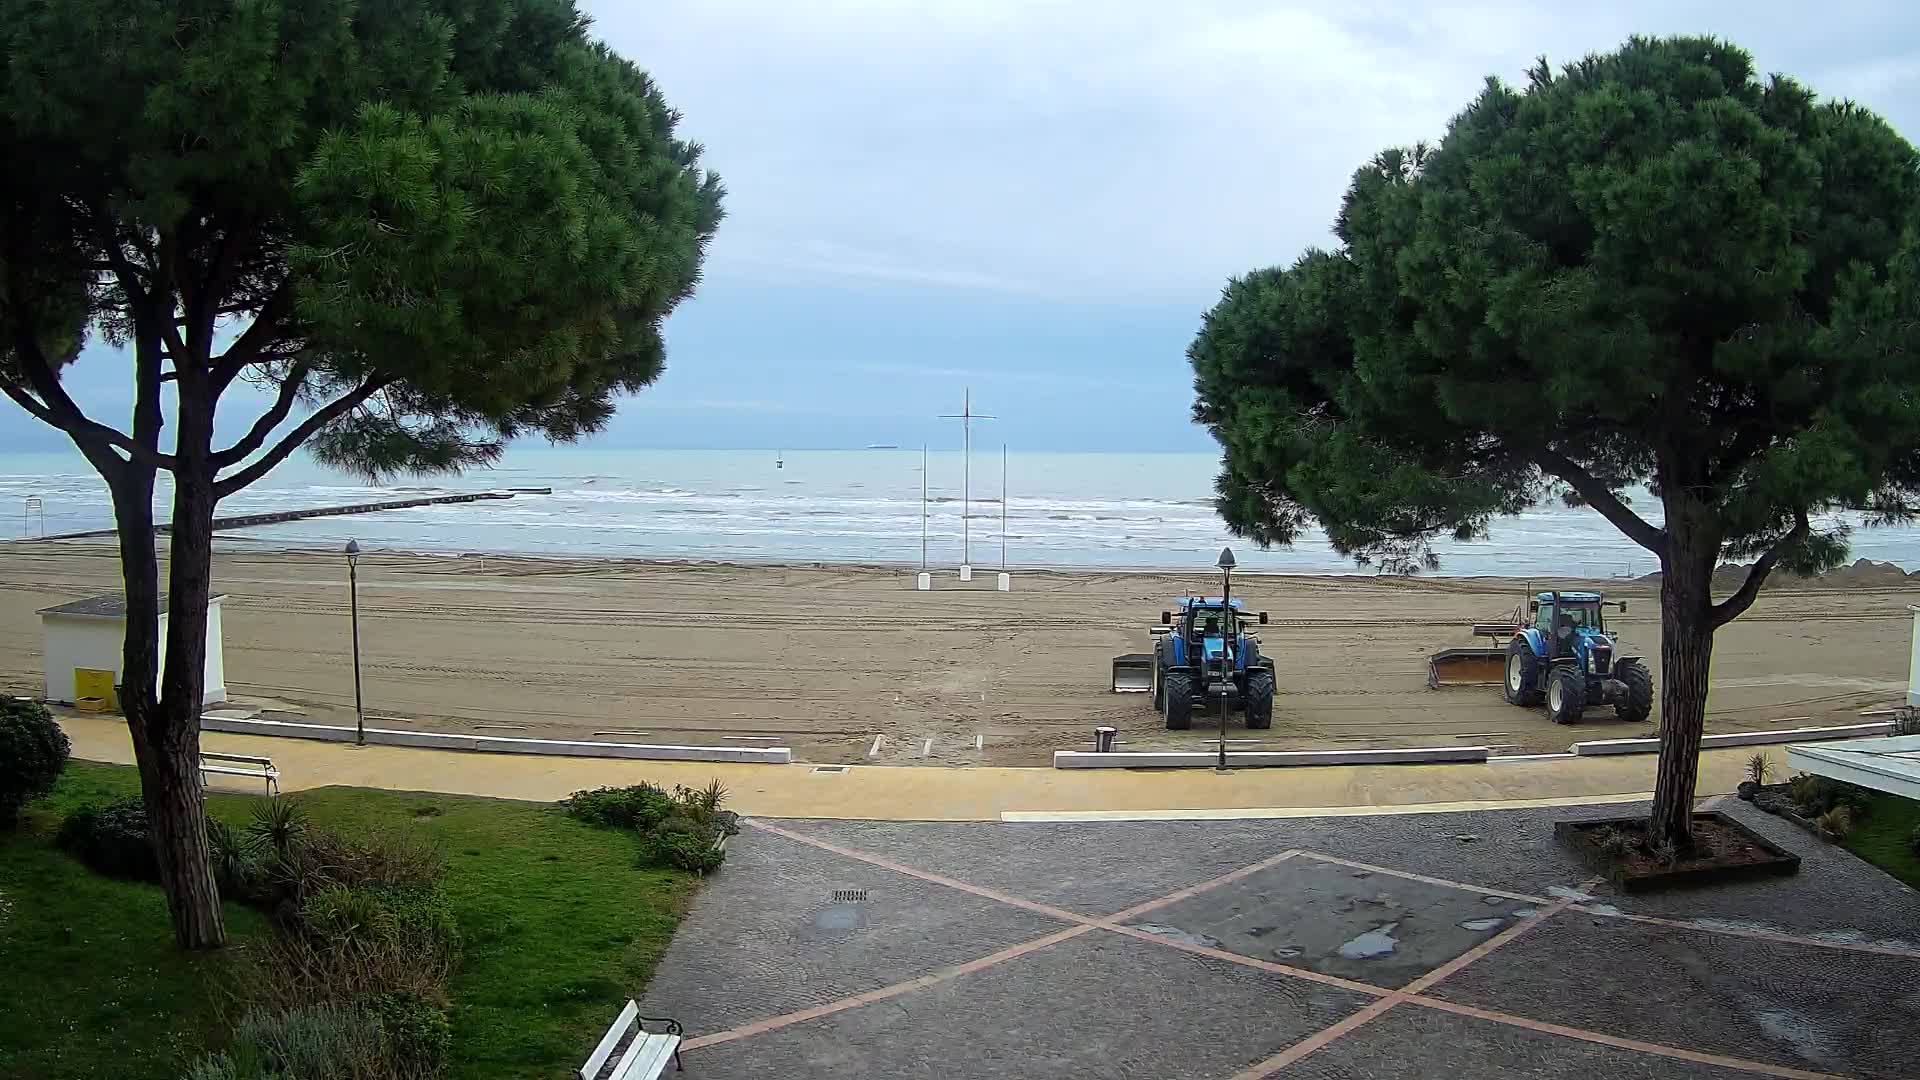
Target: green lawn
x=561 y=928
x=1884 y=835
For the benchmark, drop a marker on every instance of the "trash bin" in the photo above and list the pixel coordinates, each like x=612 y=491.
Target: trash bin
x=1103 y=739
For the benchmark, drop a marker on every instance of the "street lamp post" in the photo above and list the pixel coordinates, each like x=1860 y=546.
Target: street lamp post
x=1227 y=643
x=353 y=601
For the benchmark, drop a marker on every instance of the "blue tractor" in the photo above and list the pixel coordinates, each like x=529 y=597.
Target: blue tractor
x=1565 y=657
x=1202 y=654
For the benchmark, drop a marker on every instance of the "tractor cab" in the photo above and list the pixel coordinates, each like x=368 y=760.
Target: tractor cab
x=1569 y=621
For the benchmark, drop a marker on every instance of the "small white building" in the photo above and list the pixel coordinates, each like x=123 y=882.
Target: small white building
x=83 y=640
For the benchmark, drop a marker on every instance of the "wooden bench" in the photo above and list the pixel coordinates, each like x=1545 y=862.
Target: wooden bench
x=643 y=1054
x=257 y=768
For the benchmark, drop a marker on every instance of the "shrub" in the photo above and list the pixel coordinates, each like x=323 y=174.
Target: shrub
x=1836 y=823
x=1913 y=842
x=638 y=807
x=239 y=867
x=1815 y=795
x=415 y=1035
x=1758 y=767
x=33 y=751
x=311 y=1042
x=347 y=944
x=113 y=840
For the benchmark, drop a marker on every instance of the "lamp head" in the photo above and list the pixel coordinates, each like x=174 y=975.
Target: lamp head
x=1226 y=561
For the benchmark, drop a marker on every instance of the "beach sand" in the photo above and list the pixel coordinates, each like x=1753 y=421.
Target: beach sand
x=831 y=660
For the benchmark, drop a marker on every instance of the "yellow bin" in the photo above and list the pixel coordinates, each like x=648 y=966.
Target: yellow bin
x=93 y=690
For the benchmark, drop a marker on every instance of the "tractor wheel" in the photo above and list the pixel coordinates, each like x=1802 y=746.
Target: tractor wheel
x=1522 y=686
x=1639 y=703
x=1159 y=680
x=1566 y=696
x=1178 y=688
x=1259 y=699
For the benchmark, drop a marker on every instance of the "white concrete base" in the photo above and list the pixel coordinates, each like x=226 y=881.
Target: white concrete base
x=1740 y=738
x=1249 y=759
x=966 y=573
x=924 y=582
x=501 y=744
x=1006 y=583
x=1259 y=813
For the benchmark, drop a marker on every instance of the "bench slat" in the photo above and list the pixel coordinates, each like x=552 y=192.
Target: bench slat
x=229 y=770
x=647 y=1058
x=628 y=1017
x=247 y=758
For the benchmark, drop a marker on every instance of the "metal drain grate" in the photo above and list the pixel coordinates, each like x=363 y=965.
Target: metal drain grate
x=850 y=896
x=830 y=768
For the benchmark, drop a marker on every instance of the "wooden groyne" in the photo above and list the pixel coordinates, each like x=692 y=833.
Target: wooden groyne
x=247 y=521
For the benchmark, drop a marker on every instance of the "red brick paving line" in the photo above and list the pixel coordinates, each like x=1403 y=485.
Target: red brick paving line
x=1657 y=1049
x=1443 y=882
x=1678 y=924
x=1328 y=1035
x=1388 y=999
x=1757 y=935
x=856 y=1001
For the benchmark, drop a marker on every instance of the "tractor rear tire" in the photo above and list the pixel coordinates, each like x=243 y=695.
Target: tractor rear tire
x=1159 y=679
x=1639 y=703
x=1522 y=684
x=1566 y=695
x=1178 y=687
x=1259 y=699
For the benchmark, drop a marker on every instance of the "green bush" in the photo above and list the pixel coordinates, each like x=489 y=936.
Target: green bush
x=415 y=1035
x=1836 y=823
x=1816 y=795
x=311 y=1042
x=33 y=750
x=348 y=944
x=113 y=840
x=638 y=807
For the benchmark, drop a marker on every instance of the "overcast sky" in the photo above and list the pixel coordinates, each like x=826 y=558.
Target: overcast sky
x=1039 y=199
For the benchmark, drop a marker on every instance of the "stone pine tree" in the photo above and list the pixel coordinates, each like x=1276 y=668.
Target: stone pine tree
x=417 y=227
x=1652 y=271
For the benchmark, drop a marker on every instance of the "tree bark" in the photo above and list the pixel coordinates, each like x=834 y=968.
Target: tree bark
x=172 y=783
x=1686 y=657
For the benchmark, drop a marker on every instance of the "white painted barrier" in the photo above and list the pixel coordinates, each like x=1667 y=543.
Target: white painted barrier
x=502 y=744
x=1739 y=738
x=1248 y=759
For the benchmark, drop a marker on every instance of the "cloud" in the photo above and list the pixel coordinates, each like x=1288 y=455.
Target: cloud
x=1126 y=148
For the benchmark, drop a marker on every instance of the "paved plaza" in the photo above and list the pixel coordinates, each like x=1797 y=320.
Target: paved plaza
x=1428 y=945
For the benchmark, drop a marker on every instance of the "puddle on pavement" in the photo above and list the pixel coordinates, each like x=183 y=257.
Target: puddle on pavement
x=1561 y=892
x=1481 y=924
x=1177 y=934
x=1376 y=942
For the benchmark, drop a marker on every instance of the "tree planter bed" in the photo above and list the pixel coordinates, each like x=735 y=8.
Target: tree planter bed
x=1726 y=851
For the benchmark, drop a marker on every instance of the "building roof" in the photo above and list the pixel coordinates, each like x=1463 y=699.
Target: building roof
x=110 y=606
x=1891 y=765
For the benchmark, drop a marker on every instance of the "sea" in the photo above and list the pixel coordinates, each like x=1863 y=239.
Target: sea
x=1115 y=511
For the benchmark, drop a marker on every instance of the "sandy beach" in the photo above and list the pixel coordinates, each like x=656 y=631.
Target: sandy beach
x=850 y=664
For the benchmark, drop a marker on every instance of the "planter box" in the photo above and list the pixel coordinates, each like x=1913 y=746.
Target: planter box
x=1765 y=859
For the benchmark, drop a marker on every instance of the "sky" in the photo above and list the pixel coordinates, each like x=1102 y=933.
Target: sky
x=1039 y=200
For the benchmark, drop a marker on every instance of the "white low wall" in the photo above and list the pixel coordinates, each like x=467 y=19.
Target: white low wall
x=1248 y=759
x=501 y=744
x=1740 y=738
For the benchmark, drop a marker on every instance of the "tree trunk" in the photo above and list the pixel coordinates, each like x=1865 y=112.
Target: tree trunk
x=1686 y=655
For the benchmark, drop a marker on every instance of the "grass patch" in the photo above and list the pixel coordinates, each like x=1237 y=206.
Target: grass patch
x=1884 y=835
x=561 y=928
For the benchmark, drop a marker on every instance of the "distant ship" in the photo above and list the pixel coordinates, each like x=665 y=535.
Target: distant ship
x=882 y=446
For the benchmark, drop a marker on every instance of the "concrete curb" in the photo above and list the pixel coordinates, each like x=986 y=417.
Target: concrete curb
x=1250 y=759
x=502 y=744
x=1741 y=738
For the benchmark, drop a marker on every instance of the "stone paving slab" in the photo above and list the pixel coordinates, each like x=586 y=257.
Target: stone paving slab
x=1794 y=1005
x=1099 y=1005
x=765 y=937
x=1422 y=1044
x=1834 y=894
x=1357 y=924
